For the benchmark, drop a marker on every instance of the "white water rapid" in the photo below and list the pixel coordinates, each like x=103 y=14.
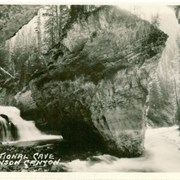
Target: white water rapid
x=162 y=154
x=26 y=130
x=4 y=130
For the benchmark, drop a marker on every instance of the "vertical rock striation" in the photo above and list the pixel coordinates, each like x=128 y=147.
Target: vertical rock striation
x=95 y=92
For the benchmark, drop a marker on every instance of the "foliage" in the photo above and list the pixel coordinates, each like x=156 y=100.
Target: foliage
x=21 y=54
x=52 y=27
x=161 y=102
x=155 y=20
x=24 y=54
x=13 y=17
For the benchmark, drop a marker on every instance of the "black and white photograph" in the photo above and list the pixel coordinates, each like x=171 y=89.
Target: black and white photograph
x=90 y=88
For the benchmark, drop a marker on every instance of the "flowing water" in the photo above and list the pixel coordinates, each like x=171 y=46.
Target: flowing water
x=162 y=149
x=5 y=133
x=162 y=154
x=11 y=121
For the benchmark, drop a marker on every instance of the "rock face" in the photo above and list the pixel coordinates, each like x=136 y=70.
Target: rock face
x=29 y=110
x=13 y=17
x=6 y=97
x=95 y=92
x=161 y=105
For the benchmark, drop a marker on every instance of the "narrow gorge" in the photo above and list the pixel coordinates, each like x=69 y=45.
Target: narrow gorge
x=96 y=75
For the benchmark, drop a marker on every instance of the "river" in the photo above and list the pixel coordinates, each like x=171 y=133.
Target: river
x=162 y=154
x=162 y=150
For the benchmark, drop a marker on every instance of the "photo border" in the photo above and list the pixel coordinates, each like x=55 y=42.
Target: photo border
x=92 y=175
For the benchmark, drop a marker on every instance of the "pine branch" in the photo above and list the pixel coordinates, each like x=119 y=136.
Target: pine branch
x=4 y=71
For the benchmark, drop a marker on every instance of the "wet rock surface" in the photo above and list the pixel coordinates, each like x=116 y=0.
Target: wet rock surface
x=25 y=102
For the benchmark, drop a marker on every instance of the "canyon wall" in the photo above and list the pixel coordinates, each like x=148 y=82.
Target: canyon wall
x=95 y=92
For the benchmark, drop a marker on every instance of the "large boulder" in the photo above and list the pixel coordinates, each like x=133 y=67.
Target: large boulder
x=29 y=110
x=95 y=93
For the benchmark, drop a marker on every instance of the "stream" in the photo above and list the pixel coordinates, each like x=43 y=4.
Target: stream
x=162 y=150
x=162 y=154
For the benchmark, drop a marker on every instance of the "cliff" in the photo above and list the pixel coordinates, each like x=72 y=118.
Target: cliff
x=162 y=104
x=95 y=92
x=13 y=18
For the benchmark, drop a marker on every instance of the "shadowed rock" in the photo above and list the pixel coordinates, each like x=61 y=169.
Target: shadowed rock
x=8 y=128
